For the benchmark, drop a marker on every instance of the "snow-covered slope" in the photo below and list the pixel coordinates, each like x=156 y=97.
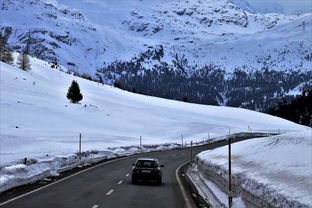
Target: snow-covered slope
x=37 y=119
x=200 y=43
x=83 y=35
x=260 y=6
x=195 y=43
x=275 y=169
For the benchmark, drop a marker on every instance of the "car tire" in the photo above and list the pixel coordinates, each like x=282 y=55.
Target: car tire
x=133 y=181
x=159 y=182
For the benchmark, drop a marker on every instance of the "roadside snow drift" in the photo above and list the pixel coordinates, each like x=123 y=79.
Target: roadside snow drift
x=276 y=169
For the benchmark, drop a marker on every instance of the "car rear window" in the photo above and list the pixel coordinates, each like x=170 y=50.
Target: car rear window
x=146 y=164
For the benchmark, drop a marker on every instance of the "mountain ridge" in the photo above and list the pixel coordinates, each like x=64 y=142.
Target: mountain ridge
x=192 y=35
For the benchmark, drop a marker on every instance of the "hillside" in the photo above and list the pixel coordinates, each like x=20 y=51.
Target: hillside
x=37 y=119
x=209 y=51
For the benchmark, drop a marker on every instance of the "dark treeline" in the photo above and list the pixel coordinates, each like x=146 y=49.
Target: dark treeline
x=299 y=110
x=258 y=90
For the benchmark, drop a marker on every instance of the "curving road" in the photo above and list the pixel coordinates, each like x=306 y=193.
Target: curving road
x=109 y=185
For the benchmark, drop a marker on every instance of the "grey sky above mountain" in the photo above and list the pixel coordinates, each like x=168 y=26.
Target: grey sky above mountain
x=287 y=6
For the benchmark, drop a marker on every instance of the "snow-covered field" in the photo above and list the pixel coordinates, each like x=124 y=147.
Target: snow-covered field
x=277 y=169
x=37 y=119
x=38 y=122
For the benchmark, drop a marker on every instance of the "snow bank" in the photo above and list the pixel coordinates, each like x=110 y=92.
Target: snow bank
x=35 y=169
x=275 y=170
x=213 y=195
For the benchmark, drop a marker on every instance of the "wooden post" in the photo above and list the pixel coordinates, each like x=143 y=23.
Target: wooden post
x=230 y=172
x=80 y=145
x=140 y=142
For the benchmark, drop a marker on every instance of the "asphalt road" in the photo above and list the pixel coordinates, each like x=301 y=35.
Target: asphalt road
x=109 y=185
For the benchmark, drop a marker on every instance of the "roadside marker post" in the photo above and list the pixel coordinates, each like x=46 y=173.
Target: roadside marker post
x=182 y=139
x=79 y=145
x=191 y=151
x=230 y=173
x=140 y=142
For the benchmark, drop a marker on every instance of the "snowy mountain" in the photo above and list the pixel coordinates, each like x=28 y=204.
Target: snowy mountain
x=260 y=6
x=244 y=4
x=208 y=50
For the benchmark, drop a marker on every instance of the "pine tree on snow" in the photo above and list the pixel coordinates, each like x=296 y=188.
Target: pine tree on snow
x=23 y=61
x=5 y=51
x=74 y=94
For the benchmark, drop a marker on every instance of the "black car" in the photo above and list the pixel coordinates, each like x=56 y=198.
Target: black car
x=147 y=169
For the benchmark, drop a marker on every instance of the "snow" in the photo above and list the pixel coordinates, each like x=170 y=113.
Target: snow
x=38 y=122
x=277 y=168
x=36 y=116
x=100 y=32
x=41 y=168
x=213 y=195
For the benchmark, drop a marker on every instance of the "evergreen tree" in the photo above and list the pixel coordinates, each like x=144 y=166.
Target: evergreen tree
x=119 y=84
x=23 y=61
x=298 y=110
x=185 y=99
x=5 y=51
x=74 y=94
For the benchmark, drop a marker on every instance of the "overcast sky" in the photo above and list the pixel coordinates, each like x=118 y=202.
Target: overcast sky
x=289 y=6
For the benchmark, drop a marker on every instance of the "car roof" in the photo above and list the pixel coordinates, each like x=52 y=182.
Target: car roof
x=146 y=158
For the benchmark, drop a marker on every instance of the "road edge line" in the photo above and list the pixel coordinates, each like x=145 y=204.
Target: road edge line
x=184 y=194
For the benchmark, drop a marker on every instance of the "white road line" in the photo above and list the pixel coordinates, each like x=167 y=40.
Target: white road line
x=110 y=192
x=95 y=206
x=120 y=182
x=185 y=196
x=127 y=175
x=70 y=176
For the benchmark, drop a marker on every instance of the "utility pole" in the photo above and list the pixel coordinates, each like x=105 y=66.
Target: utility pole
x=80 y=145
x=140 y=142
x=230 y=172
